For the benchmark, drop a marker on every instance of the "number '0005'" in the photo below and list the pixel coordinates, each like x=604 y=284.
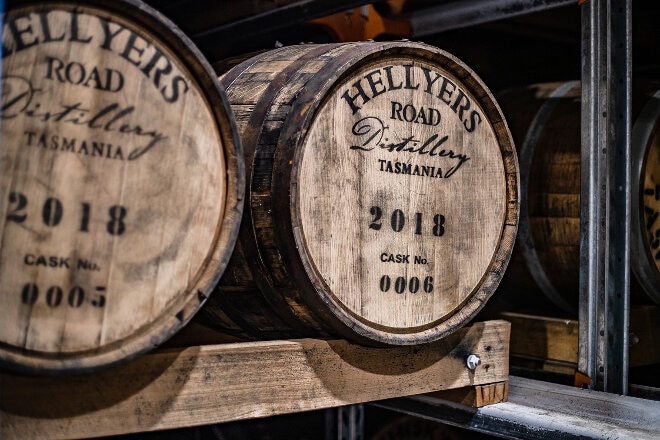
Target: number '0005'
x=403 y=285
x=55 y=295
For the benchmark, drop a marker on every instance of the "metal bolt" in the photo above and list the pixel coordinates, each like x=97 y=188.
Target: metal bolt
x=473 y=361
x=634 y=339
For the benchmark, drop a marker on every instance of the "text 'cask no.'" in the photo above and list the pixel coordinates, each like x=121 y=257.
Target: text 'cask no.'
x=121 y=183
x=545 y=124
x=382 y=194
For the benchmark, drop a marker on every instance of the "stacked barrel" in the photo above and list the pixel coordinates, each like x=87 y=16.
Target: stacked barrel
x=121 y=183
x=545 y=124
x=380 y=188
x=382 y=194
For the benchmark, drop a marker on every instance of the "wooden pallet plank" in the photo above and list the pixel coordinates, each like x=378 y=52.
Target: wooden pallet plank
x=554 y=341
x=217 y=383
x=476 y=396
x=543 y=338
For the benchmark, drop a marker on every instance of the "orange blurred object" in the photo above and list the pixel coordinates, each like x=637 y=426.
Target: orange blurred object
x=364 y=23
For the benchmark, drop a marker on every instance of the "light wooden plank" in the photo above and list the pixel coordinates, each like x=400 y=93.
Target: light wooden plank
x=217 y=383
x=476 y=396
x=543 y=338
x=554 y=340
x=491 y=393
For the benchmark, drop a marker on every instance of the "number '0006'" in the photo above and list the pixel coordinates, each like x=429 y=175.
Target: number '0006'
x=403 y=285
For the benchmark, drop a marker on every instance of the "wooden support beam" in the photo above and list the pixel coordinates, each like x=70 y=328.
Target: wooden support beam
x=476 y=396
x=208 y=384
x=543 y=338
x=554 y=341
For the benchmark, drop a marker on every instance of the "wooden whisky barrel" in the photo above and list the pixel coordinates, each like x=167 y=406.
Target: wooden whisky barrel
x=121 y=183
x=381 y=196
x=645 y=211
x=545 y=124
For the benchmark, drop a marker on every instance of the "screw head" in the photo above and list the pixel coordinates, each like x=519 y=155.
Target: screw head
x=473 y=361
x=634 y=339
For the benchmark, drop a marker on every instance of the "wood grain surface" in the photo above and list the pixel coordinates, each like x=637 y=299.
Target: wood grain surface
x=382 y=194
x=204 y=385
x=553 y=340
x=545 y=124
x=120 y=183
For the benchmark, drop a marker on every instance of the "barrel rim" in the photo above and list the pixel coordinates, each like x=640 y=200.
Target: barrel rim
x=284 y=302
x=527 y=152
x=296 y=126
x=641 y=262
x=153 y=23
x=645 y=286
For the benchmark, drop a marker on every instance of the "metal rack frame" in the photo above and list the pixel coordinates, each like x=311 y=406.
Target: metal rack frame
x=604 y=303
x=538 y=409
x=606 y=168
x=542 y=410
x=606 y=46
x=606 y=194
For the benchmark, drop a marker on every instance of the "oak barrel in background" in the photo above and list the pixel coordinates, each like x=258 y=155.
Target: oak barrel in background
x=545 y=124
x=381 y=195
x=121 y=183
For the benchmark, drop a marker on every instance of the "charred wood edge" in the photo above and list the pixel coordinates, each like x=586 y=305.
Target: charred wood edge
x=294 y=299
x=276 y=297
x=250 y=259
x=284 y=300
x=342 y=60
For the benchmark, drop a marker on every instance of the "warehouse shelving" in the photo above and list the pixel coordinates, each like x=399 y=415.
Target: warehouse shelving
x=536 y=409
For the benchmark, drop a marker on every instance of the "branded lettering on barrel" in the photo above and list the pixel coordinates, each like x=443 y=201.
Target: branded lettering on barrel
x=381 y=81
x=23 y=32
